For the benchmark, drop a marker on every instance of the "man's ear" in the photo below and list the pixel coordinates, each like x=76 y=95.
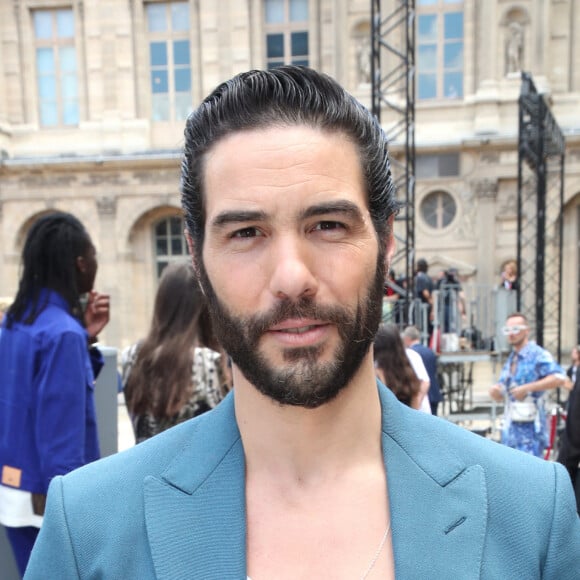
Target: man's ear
x=390 y=243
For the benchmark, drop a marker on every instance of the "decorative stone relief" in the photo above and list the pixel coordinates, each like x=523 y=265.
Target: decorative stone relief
x=363 y=56
x=485 y=188
x=107 y=205
x=514 y=47
x=490 y=157
x=467 y=225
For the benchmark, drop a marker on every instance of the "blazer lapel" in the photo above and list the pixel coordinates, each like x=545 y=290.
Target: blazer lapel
x=195 y=518
x=438 y=503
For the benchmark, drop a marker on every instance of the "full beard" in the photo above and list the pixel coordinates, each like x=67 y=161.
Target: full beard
x=303 y=381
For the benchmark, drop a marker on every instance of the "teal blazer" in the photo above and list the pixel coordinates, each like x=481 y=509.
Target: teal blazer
x=174 y=507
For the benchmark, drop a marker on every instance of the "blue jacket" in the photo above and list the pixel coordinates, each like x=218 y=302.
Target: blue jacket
x=430 y=362
x=47 y=412
x=174 y=507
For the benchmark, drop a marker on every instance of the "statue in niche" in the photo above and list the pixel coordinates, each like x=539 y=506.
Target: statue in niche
x=515 y=47
x=364 y=60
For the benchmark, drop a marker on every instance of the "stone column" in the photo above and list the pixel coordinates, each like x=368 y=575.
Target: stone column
x=485 y=192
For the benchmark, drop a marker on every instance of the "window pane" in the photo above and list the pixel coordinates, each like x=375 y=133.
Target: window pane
x=429 y=210
x=43 y=24
x=48 y=114
x=427 y=57
x=426 y=166
x=298 y=10
x=68 y=59
x=299 y=42
x=453 y=25
x=448 y=209
x=47 y=88
x=70 y=113
x=69 y=86
x=453 y=55
x=156 y=17
x=176 y=226
x=275 y=64
x=161 y=246
x=180 y=16
x=161 y=229
x=183 y=105
x=159 y=81
x=65 y=24
x=177 y=246
x=300 y=62
x=160 y=104
x=427 y=28
x=453 y=85
x=182 y=79
x=275 y=45
x=181 y=52
x=45 y=60
x=448 y=164
x=274 y=11
x=158 y=53
x=427 y=86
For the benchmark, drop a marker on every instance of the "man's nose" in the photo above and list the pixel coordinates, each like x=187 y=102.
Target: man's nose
x=293 y=272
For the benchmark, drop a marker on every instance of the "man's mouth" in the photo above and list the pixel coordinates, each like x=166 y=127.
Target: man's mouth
x=300 y=330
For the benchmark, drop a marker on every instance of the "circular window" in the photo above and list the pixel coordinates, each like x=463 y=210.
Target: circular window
x=438 y=209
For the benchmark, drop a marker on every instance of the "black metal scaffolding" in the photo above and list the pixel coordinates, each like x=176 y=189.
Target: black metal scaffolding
x=541 y=154
x=393 y=91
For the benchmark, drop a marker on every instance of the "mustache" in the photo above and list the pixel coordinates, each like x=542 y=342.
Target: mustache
x=303 y=308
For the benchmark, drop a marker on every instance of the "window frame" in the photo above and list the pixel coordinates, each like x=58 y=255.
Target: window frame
x=441 y=193
x=439 y=9
x=170 y=256
x=55 y=43
x=287 y=28
x=169 y=37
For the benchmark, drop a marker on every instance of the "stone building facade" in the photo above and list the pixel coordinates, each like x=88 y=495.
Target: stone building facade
x=94 y=94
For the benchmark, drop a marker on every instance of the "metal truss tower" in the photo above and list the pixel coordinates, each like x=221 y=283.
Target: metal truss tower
x=393 y=93
x=541 y=154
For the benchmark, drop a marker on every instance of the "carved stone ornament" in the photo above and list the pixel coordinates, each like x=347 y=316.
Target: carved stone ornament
x=107 y=205
x=485 y=188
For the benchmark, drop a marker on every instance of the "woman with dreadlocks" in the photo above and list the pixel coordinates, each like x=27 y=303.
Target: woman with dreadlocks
x=47 y=372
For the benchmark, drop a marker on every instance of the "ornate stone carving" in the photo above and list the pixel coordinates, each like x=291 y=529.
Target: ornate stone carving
x=363 y=58
x=107 y=205
x=485 y=188
x=514 y=47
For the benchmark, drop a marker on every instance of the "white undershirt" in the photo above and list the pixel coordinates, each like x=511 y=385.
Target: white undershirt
x=16 y=508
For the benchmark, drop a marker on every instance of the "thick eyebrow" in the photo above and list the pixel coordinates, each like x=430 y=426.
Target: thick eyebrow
x=237 y=216
x=339 y=206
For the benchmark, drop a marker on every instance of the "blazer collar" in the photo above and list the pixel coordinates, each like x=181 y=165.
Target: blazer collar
x=438 y=502
x=196 y=518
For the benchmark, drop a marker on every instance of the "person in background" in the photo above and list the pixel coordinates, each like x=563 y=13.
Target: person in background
x=393 y=367
x=527 y=374
x=47 y=372
x=509 y=275
x=424 y=287
x=569 y=452
x=390 y=298
x=310 y=467
x=177 y=371
x=411 y=338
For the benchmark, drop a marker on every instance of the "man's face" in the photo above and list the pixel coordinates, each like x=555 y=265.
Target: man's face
x=517 y=331
x=291 y=264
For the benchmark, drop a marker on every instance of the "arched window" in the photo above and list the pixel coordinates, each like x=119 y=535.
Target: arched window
x=169 y=242
x=438 y=209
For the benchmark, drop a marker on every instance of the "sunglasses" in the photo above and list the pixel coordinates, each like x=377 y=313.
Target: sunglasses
x=507 y=330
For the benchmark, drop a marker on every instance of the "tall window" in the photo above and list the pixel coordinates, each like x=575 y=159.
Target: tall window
x=286 y=25
x=169 y=60
x=439 y=49
x=56 y=67
x=169 y=242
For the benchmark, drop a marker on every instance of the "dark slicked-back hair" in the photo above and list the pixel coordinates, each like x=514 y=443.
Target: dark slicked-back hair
x=49 y=261
x=282 y=97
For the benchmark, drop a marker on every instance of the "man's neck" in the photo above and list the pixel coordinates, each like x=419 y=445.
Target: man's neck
x=307 y=446
x=518 y=348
